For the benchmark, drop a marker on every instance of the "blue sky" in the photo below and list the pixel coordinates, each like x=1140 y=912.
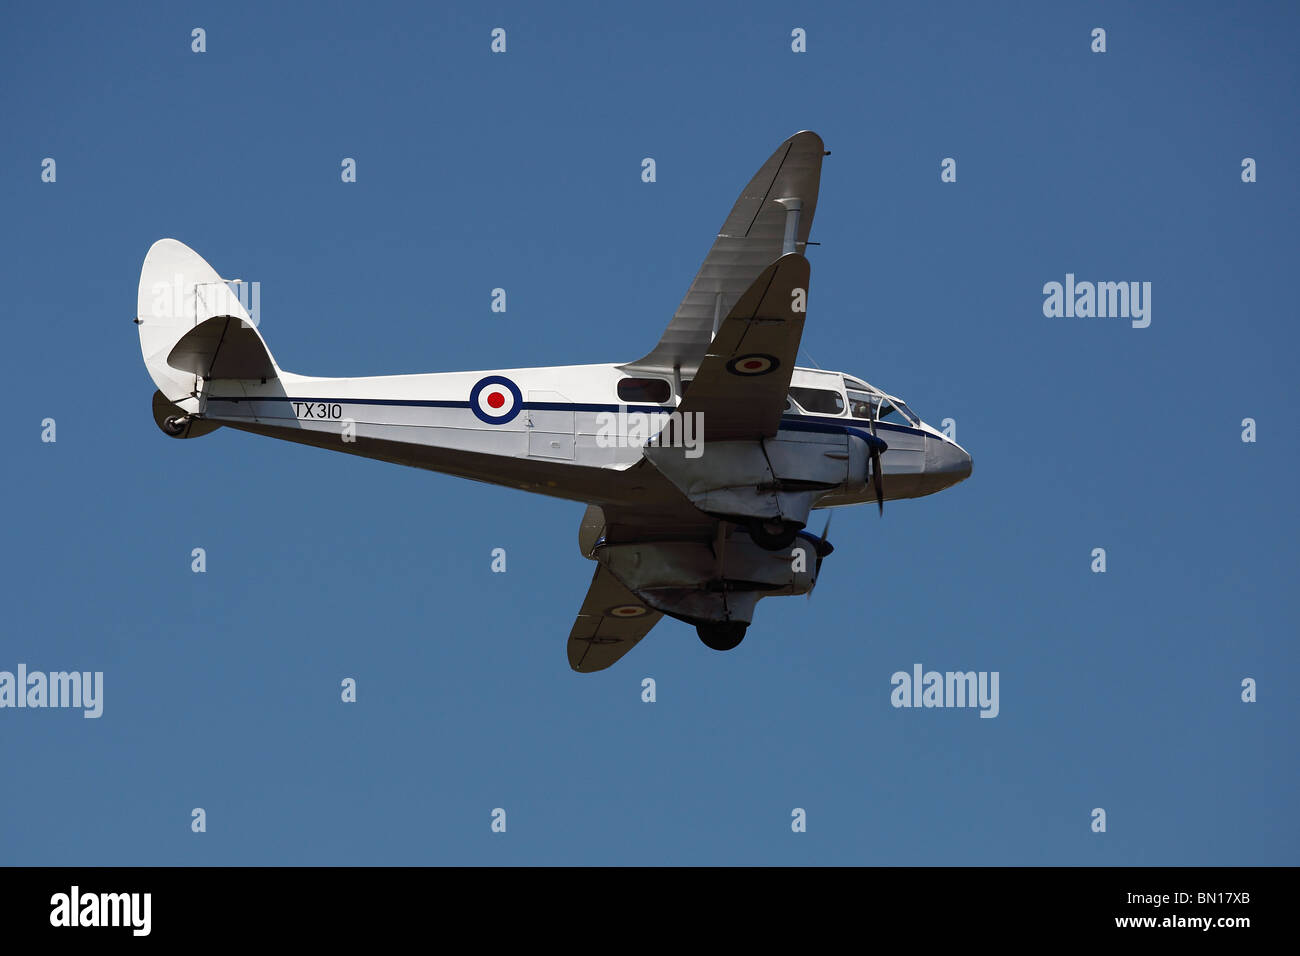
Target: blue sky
x=1118 y=690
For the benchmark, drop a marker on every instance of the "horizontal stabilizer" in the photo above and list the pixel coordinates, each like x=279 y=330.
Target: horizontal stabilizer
x=223 y=347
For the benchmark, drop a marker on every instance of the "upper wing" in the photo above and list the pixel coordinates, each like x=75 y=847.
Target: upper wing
x=610 y=623
x=751 y=238
x=740 y=388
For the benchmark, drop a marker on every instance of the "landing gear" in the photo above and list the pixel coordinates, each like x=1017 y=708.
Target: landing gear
x=722 y=635
x=773 y=534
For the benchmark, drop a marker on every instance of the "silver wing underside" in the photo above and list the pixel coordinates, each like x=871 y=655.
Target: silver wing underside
x=748 y=242
x=611 y=621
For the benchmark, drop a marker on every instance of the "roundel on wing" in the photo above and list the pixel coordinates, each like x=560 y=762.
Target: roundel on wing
x=495 y=400
x=627 y=610
x=756 y=363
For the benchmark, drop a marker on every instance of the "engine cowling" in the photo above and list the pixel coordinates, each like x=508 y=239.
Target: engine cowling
x=685 y=579
x=776 y=479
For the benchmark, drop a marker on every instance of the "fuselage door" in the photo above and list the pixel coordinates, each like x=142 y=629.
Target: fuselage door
x=551 y=421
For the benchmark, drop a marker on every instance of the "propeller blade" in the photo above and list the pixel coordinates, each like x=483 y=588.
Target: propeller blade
x=877 y=481
x=824 y=548
x=877 y=447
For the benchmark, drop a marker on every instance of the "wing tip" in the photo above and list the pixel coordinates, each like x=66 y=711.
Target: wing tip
x=809 y=138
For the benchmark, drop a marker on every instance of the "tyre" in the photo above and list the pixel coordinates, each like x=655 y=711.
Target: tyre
x=722 y=635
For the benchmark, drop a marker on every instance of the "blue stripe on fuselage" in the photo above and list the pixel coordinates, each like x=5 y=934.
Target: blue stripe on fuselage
x=805 y=423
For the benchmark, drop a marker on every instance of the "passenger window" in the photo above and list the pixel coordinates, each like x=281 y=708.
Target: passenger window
x=654 y=390
x=819 y=400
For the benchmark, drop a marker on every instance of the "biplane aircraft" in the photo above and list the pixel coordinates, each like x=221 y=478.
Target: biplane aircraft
x=699 y=462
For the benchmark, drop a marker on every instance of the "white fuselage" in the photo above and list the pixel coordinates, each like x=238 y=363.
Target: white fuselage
x=558 y=430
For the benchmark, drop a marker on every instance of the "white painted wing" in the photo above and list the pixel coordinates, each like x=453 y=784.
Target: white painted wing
x=610 y=623
x=749 y=241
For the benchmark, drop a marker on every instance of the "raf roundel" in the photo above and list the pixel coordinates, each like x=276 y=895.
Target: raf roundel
x=754 y=364
x=495 y=400
x=627 y=610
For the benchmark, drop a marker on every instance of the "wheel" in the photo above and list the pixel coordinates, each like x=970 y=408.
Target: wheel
x=722 y=635
x=773 y=535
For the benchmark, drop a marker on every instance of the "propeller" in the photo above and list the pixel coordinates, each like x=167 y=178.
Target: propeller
x=823 y=548
x=876 y=446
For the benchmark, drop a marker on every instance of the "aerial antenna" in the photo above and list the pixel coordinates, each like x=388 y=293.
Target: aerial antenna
x=813 y=360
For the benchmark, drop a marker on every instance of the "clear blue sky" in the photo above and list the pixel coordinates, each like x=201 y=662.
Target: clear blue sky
x=1118 y=690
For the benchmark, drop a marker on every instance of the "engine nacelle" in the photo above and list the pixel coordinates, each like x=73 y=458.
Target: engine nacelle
x=776 y=479
x=685 y=579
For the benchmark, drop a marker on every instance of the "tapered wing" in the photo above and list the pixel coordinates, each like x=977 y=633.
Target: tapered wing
x=751 y=239
x=610 y=623
x=741 y=385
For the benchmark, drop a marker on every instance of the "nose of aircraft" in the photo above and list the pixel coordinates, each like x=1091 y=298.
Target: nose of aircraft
x=946 y=462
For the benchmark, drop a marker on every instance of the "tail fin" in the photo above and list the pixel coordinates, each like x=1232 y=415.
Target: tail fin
x=193 y=327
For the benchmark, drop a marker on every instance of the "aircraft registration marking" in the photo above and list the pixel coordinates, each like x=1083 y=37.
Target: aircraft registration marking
x=327 y=411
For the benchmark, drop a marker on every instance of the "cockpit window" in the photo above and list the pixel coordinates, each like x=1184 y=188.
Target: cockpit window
x=820 y=401
x=907 y=413
x=861 y=404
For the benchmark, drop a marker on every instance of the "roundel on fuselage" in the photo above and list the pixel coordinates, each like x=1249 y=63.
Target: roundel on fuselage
x=495 y=400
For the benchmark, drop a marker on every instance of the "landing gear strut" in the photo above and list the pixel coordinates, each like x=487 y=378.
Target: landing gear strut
x=722 y=635
x=773 y=534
